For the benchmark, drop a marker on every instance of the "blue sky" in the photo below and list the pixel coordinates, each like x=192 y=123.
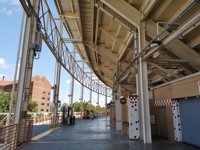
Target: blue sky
x=10 y=16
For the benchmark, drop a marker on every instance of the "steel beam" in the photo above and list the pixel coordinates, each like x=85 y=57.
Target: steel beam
x=163 y=69
x=118 y=109
x=143 y=92
x=50 y=35
x=8 y=123
x=90 y=95
x=147 y=7
x=23 y=92
x=188 y=54
x=124 y=10
x=72 y=88
x=125 y=48
x=98 y=101
x=81 y=94
x=57 y=82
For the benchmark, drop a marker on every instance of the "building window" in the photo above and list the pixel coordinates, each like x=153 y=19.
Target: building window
x=47 y=110
x=42 y=103
x=48 y=98
x=47 y=104
x=43 y=97
x=49 y=93
x=41 y=109
x=44 y=92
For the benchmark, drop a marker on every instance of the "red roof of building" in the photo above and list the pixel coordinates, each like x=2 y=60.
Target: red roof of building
x=5 y=82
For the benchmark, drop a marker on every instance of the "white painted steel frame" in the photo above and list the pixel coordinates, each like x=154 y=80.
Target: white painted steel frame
x=52 y=38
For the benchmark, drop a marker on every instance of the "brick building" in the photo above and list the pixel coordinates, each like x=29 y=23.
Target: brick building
x=40 y=91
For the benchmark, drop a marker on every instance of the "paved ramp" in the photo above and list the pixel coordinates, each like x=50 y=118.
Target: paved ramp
x=95 y=135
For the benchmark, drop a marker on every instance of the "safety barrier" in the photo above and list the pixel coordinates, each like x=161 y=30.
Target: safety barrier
x=8 y=137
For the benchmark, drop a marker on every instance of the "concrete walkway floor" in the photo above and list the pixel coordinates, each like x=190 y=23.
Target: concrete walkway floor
x=96 y=135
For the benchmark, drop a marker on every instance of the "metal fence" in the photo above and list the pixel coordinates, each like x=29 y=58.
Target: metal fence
x=28 y=131
x=8 y=136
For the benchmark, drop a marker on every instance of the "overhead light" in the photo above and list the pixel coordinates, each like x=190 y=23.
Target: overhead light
x=156 y=54
x=155 y=43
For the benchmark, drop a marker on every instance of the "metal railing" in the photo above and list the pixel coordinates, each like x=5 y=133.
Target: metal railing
x=38 y=118
x=28 y=130
x=8 y=137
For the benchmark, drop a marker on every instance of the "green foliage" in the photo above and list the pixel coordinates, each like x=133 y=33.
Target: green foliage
x=5 y=102
x=86 y=105
x=32 y=106
x=77 y=106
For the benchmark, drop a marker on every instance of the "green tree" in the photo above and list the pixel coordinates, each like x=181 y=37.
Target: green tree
x=32 y=106
x=77 y=106
x=86 y=105
x=5 y=102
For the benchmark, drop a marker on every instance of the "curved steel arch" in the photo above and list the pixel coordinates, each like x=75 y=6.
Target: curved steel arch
x=53 y=39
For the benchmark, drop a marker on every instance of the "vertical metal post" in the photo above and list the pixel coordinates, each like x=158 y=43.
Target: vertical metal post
x=90 y=93
x=136 y=48
x=106 y=97
x=118 y=107
x=118 y=110
x=98 y=100
x=57 y=84
x=82 y=89
x=25 y=75
x=143 y=92
x=72 y=87
x=16 y=71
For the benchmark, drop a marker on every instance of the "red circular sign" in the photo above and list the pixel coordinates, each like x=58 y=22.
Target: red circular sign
x=123 y=101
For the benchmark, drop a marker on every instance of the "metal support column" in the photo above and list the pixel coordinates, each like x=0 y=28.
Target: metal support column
x=106 y=98
x=23 y=92
x=82 y=89
x=145 y=125
x=91 y=94
x=72 y=88
x=16 y=72
x=98 y=100
x=118 y=110
x=57 y=82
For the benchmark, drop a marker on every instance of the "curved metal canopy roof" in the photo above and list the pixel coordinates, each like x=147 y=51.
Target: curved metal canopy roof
x=105 y=33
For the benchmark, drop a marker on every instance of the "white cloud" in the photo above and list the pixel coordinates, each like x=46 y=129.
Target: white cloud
x=9 y=6
x=11 y=2
x=3 y=63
